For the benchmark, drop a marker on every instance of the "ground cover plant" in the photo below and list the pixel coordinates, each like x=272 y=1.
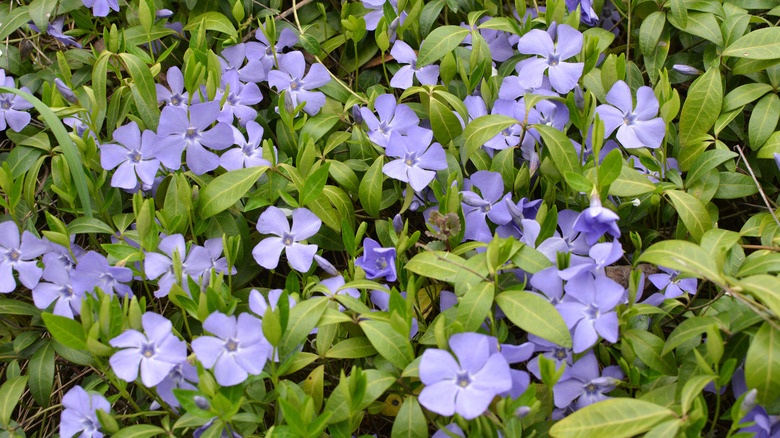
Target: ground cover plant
x=389 y=218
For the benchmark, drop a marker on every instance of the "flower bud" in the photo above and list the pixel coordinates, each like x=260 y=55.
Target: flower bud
x=605 y=381
x=201 y=402
x=686 y=69
x=325 y=265
x=749 y=402
x=522 y=411
x=398 y=224
x=356 y=116
x=163 y=13
x=65 y=91
x=579 y=97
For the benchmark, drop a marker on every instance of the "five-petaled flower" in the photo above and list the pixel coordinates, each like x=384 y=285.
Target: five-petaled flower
x=80 y=414
x=290 y=78
x=133 y=156
x=377 y=261
x=636 y=126
x=274 y=221
x=563 y=75
x=417 y=157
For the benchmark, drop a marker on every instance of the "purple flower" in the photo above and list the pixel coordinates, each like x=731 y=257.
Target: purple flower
x=588 y=309
x=259 y=305
x=601 y=256
x=511 y=136
x=181 y=376
x=491 y=205
x=180 y=129
x=274 y=221
x=636 y=127
x=57 y=288
x=674 y=286
x=333 y=286
x=262 y=49
x=515 y=354
x=559 y=355
x=290 y=78
x=404 y=77
x=596 y=220
x=94 y=271
x=587 y=14
x=19 y=255
x=10 y=104
x=55 y=29
x=549 y=283
x=133 y=156
x=417 y=157
x=80 y=414
x=214 y=249
x=249 y=153
x=372 y=18
x=159 y=266
x=100 y=8
x=157 y=351
x=584 y=383
x=377 y=261
x=239 y=98
x=468 y=385
x=232 y=61
x=176 y=95
x=563 y=75
x=392 y=118
x=238 y=350
x=452 y=428
x=497 y=41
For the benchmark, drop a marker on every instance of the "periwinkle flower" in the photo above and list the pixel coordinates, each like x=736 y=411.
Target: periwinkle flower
x=452 y=428
x=584 y=383
x=378 y=262
x=587 y=14
x=181 y=376
x=636 y=126
x=377 y=6
x=497 y=41
x=404 y=77
x=392 y=118
x=268 y=53
x=94 y=271
x=176 y=95
x=214 y=248
x=232 y=60
x=601 y=256
x=160 y=267
x=417 y=158
x=465 y=386
x=274 y=221
x=491 y=205
x=181 y=129
x=238 y=100
x=57 y=287
x=80 y=414
x=249 y=152
x=19 y=255
x=55 y=29
x=10 y=106
x=588 y=310
x=559 y=355
x=290 y=78
x=238 y=350
x=513 y=135
x=563 y=75
x=596 y=220
x=334 y=286
x=133 y=156
x=101 y=8
x=157 y=351
x=672 y=286
x=259 y=305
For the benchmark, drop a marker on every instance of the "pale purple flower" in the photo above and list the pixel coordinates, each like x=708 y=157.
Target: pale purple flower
x=497 y=41
x=417 y=158
x=158 y=266
x=10 y=106
x=238 y=100
x=176 y=95
x=332 y=286
x=378 y=262
x=290 y=78
x=94 y=271
x=100 y=8
x=274 y=221
x=133 y=156
x=259 y=305
x=587 y=14
x=672 y=286
x=249 y=153
x=514 y=354
x=452 y=428
x=563 y=75
x=601 y=256
x=764 y=425
x=549 y=283
x=157 y=351
x=468 y=385
x=57 y=287
x=576 y=241
x=392 y=118
x=181 y=376
x=232 y=60
x=214 y=249
x=404 y=77
x=516 y=86
x=596 y=220
x=19 y=255
x=559 y=355
x=238 y=350
x=181 y=129
x=588 y=310
x=491 y=205
x=585 y=384
x=512 y=135
x=55 y=29
x=636 y=127
x=79 y=418
x=263 y=50
x=377 y=6
x=325 y=265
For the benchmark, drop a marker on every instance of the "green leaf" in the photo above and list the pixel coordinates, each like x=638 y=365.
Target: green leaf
x=213 y=21
x=735 y=186
x=17 y=307
x=648 y=347
x=139 y=431
x=630 y=183
x=370 y=192
x=314 y=184
x=707 y=161
x=610 y=168
x=650 y=31
x=702 y=106
x=614 y=418
x=89 y=225
x=15 y=19
x=390 y=344
x=744 y=94
x=10 y=393
x=762 y=365
x=561 y=149
x=701 y=24
x=687 y=330
x=144 y=92
x=474 y=306
x=680 y=13
x=764 y=287
x=304 y=316
x=530 y=260
x=759 y=262
x=319 y=125
x=535 y=315
x=758 y=44
x=430 y=12
x=692 y=212
x=683 y=256
x=440 y=265
x=482 y=129
x=692 y=389
x=763 y=120
x=410 y=421
x=352 y=348
x=443 y=122
x=441 y=41
x=69 y=332
x=226 y=189
x=41 y=373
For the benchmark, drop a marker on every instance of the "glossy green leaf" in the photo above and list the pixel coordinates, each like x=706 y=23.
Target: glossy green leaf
x=144 y=91
x=648 y=347
x=370 y=192
x=686 y=330
x=764 y=287
x=475 y=305
x=650 y=31
x=707 y=161
x=482 y=129
x=561 y=149
x=702 y=25
x=744 y=94
x=410 y=421
x=439 y=265
x=439 y=42
x=702 y=106
x=630 y=183
x=692 y=212
x=390 y=344
x=352 y=348
x=763 y=120
x=735 y=186
x=758 y=44
x=680 y=12
x=41 y=373
x=69 y=332
x=304 y=316
x=10 y=394
x=139 y=431
x=443 y=122
x=212 y=21
x=225 y=190
x=692 y=389
x=614 y=418
x=535 y=315
x=762 y=365
x=682 y=256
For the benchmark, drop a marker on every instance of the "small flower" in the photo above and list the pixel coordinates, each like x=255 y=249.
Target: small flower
x=232 y=61
x=587 y=14
x=584 y=383
x=94 y=271
x=392 y=118
x=238 y=350
x=468 y=385
x=176 y=95
x=672 y=286
x=249 y=153
x=19 y=255
x=597 y=220
x=157 y=352
x=378 y=262
x=55 y=29
x=636 y=127
x=263 y=50
x=333 y=286
x=273 y=221
x=239 y=98
x=404 y=77
x=181 y=376
x=491 y=205
x=158 y=266
x=80 y=414
x=57 y=288
x=133 y=156
x=100 y=8
x=417 y=157
x=290 y=78
x=377 y=6
x=588 y=310
x=10 y=106
x=563 y=75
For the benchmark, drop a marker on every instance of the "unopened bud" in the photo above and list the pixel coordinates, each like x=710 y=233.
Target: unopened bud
x=201 y=402
x=605 y=381
x=163 y=13
x=356 y=116
x=522 y=411
x=749 y=402
x=398 y=224
x=686 y=69
x=65 y=91
x=325 y=265
x=579 y=97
